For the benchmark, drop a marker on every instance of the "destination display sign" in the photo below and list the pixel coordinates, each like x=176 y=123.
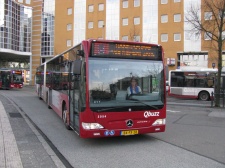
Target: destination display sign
x=125 y=50
x=17 y=72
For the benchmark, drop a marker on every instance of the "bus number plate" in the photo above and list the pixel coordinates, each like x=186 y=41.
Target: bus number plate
x=130 y=132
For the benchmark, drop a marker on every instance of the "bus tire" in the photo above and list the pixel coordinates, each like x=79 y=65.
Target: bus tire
x=47 y=98
x=64 y=117
x=39 y=94
x=203 y=96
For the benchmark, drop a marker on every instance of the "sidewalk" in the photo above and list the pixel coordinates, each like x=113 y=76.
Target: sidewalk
x=217 y=112
x=21 y=145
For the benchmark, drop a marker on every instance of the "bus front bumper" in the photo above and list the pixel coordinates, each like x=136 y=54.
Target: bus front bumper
x=121 y=132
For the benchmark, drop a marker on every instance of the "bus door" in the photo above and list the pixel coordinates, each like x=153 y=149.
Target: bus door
x=189 y=89
x=74 y=99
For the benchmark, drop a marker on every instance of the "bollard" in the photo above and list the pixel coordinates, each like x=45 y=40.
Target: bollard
x=212 y=99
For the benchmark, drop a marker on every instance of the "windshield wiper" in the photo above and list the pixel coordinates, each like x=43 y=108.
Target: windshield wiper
x=138 y=101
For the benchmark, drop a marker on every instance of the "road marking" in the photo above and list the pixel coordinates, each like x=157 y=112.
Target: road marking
x=10 y=156
x=173 y=111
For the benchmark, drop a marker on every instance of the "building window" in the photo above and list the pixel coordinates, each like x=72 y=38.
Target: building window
x=125 y=4
x=176 y=1
x=69 y=27
x=125 y=38
x=136 y=20
x=164 y=18
x=187 y=35
x=20 y=1
x=90 y=25
x=221 y=14
x=100 y=7
x=137 y=38
x=164 y=37
x=223 y=35
x=27 y=1
x=100 y=24
x=208 y=36
x=136 y=3
x=177 y=17
x=125 y=21
x=208 y=15
x=191 y=35
x=90 y=8
x=69 y=11
x=164 y=1
x=177 y=36
x=68 y=43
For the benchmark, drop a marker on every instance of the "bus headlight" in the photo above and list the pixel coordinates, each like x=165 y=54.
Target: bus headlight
x=90 y=126
x=159 y=122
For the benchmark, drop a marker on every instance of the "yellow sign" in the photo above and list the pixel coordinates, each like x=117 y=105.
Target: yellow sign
x=130 y=132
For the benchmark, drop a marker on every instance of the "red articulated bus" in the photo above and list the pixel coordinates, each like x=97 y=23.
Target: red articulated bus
x=11 y=79
x=89 y=87
x=17 y=78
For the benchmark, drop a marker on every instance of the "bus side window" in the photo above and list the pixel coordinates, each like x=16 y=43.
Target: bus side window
x=210 y=82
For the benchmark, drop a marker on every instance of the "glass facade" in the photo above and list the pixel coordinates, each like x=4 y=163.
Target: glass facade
x=79 y=21
x=112 y=19
x=48 y=27
x=15 y=26
x=192 y=41
x=150 y=21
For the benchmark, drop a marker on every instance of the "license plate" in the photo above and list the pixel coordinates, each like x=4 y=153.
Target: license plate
x=130 y=132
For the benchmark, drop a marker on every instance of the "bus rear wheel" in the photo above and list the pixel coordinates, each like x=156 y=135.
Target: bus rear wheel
x=64 y=116
x=39 y=94
x=204 y=96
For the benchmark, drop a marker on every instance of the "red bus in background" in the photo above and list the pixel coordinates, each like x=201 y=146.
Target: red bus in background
x=11 y=79
x=17 y=76
x=195 y=84
x=87 y=86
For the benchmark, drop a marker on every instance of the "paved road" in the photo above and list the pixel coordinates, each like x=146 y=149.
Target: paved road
x=192 y=139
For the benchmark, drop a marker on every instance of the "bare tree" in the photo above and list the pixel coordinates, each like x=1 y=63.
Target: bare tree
x=211 y=26
x=134 y=33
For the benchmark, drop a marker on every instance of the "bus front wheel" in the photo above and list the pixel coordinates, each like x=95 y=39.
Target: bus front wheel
x=204 y=96
x=64 y=116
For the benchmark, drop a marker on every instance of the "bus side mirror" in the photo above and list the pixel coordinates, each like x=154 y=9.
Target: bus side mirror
x=80 y=52
x=76 y=68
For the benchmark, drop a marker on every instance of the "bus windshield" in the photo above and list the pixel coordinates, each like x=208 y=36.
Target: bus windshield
x=17 y=78
x=110 y=83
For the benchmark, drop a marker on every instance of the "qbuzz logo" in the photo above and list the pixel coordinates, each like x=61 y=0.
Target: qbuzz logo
x=150 y=114
x=109 y=132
